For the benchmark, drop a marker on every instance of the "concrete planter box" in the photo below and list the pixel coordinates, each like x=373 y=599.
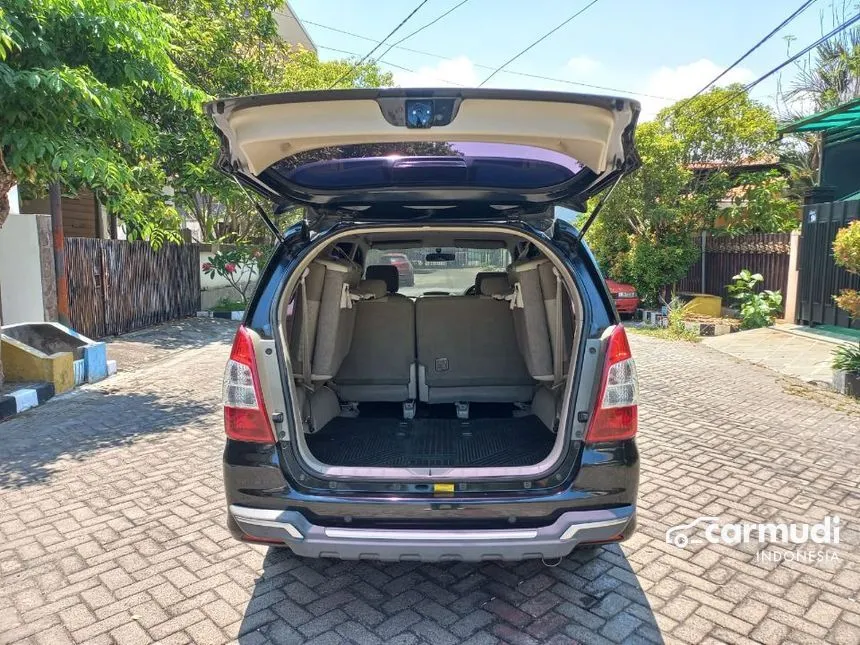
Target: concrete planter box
x=711 y=329
x=847 y=383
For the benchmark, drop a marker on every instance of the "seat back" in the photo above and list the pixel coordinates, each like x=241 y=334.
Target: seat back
x=531 y=321
x=380 y=365
x=467 y=351
x=336 y=318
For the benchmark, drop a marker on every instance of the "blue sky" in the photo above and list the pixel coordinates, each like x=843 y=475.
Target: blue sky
x=660 y=48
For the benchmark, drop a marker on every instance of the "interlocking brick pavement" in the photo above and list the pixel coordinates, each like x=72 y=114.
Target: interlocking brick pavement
x=112 y=510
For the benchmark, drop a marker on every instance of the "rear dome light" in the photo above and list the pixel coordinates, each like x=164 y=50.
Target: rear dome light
x=616 y=417
x=245 y=417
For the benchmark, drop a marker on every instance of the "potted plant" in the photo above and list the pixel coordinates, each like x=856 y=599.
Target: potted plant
x=846 y=370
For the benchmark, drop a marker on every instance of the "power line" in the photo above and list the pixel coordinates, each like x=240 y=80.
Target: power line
x=538 y=41
x=423 y=27
x=478 y=65
x=770 y=35
x=746 y=88
x=385 y=62
x=370 y=53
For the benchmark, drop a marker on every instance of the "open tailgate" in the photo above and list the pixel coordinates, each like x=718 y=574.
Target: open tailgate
x=426 y=146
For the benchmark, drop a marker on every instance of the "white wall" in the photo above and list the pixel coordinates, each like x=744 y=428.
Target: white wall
x=20 y=270
x=213 y=289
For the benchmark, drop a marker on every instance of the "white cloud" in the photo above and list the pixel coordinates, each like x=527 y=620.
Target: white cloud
x=453 y=71
x=685 y=80
x=582 y=65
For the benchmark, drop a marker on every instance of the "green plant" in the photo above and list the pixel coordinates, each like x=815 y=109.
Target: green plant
x=846 y=253
x=229 y=304
x=847 y=359
x=758 y=309
x=238 y=264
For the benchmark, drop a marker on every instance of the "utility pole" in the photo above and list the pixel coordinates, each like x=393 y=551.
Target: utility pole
x=59 y=254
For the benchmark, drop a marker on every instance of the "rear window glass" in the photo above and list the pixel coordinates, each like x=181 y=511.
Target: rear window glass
x=418 y=275
x=492 y=165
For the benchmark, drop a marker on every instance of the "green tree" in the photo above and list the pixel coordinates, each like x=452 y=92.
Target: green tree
x=644 y=235
x=76 y=77
x=722 y=125
x=648 y=232
x=231 y=49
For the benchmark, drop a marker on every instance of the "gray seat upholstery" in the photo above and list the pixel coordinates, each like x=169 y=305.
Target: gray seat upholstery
x=380 y=365
x=467 y=351
x=385 y=272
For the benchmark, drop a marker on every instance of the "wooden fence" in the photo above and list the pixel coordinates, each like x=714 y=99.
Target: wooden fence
x=724 y=257
x=116 y=286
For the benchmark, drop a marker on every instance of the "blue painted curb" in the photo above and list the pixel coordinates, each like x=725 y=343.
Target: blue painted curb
x=28 y=397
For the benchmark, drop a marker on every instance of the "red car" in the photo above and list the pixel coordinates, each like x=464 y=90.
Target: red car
x=404 y=267
x=625 y=296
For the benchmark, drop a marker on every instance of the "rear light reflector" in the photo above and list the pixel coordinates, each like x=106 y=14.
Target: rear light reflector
x=245 y=417
x=616 y=417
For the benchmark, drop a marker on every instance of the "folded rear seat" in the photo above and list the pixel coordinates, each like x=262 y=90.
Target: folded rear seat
x=536 y=316
x=336 y=318
x=380 y=365
x=467 y=349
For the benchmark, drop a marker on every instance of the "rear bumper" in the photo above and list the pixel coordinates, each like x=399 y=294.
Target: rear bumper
x=626 y=305
x=553 y=541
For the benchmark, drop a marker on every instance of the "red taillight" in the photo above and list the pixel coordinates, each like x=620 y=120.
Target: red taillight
x=616 y=417
x=245 y=417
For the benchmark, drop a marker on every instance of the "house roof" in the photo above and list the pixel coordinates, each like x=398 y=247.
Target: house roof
x=840 y=122
x=763 y=162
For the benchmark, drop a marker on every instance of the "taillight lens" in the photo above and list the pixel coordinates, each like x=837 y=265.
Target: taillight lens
x=245 y=417
x=616 y=417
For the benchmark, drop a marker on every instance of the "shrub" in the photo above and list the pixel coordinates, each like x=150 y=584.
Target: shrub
x=846 y=253
x=758 y=309
x=239 y=264
x=847 y=359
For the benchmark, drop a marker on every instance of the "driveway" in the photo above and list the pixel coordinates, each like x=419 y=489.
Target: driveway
x=111 y=526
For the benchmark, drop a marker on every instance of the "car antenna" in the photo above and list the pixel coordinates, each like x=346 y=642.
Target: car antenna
x=262 y=211
x=597 y=209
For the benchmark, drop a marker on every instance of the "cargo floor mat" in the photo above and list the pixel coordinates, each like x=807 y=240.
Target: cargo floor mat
x=431 y=442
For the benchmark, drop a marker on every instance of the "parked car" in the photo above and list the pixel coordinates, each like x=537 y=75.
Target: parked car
x=404 y=267
x=625 y=296
x=345 y=402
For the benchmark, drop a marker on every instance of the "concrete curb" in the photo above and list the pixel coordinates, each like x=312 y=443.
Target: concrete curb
x=224 y=315
x=24 y=399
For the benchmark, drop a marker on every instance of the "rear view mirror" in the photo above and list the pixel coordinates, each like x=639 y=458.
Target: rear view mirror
x=439 y=257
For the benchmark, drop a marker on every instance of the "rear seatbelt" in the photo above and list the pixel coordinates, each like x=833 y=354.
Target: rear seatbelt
x=307 y=383
x=558 y=347
x=306 y=340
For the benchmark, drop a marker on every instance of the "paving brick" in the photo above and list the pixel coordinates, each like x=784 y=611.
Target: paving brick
x=126 y=542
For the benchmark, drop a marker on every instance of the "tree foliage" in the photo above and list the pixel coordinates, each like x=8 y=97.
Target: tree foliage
x=107 y=95
x=75 y=76
x=647 y=233
x=229 y=49
x=723 y=125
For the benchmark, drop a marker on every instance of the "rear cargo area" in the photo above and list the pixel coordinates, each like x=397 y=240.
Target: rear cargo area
x=465 y=368
x=435 y=437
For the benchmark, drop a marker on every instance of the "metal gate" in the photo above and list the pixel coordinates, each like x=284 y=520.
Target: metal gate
x=820 y=278
x=117 y=286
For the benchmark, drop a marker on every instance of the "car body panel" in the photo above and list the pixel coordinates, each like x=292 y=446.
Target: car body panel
x=625 y=296
x=595 y=132
x=271 y=484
